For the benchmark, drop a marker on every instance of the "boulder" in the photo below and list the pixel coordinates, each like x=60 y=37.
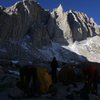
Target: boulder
x=66 y=75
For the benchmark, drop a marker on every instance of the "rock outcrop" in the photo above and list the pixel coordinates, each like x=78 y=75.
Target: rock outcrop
x=20 y=25
x=15 y=21
x=30 y=33
x=75 y=26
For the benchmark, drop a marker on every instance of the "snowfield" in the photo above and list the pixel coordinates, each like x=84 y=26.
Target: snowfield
x=87 y=49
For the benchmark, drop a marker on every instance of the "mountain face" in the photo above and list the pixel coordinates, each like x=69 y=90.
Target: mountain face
x=30 y=33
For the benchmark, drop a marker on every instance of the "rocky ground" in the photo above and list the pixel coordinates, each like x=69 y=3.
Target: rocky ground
x=9 y=91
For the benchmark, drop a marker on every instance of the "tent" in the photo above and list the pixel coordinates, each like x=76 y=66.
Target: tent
x=44 y=79
x=35 y=79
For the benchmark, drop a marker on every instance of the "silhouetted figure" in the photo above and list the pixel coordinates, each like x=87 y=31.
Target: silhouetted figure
x=54 y=65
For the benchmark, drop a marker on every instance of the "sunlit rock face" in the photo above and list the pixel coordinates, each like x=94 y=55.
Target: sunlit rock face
x=29 y=33
x=76 y=26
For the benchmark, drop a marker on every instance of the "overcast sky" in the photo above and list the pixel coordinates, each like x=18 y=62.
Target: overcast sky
x=90 y=7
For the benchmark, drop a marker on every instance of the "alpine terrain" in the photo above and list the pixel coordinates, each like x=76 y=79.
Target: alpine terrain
x=30 y=33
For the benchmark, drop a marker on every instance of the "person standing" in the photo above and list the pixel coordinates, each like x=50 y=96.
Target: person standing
x=54 y=65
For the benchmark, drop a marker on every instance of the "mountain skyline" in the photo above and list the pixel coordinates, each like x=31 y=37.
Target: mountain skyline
x=29 y=33
x=90 y=7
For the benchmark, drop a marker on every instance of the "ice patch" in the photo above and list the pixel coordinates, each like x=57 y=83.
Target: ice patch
x=3 y=50
x=14 y=72
x=14 y=61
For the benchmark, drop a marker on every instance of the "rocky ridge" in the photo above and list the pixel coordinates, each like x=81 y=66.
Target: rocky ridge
x=28 y=32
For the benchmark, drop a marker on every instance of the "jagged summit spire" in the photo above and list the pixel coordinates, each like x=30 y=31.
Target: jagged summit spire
x=70 y=11
x=59 y=10
x=60 y=7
